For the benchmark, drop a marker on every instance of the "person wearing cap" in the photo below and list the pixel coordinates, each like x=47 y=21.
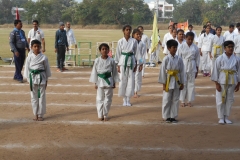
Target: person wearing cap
x=61 y=45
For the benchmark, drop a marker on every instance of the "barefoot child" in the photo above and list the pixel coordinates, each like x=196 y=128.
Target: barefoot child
x=226 y=75
x=172 y=77
x=204 y=49
x=37 y=72
x=217 y=46
x=190 y=55
x=104 y=75
x=139 y=56
x=125 y=59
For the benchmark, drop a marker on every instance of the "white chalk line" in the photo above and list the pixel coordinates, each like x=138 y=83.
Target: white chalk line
x=92 y=85
x=111 y=123
x=94 y=94
x=53 y=78
x=112 y=148
x=22 y=104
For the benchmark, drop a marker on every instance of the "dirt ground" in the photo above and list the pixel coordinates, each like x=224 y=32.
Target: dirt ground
x=71 y=129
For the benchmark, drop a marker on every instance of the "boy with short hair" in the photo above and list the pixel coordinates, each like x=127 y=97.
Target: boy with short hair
x=229 y=35
x=37 y=71
x=172 y=77
x=226 y=75
x=190 y=29
x=104 y=75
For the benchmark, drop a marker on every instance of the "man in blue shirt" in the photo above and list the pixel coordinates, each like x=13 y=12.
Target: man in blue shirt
x=18 y=44
x=61 y=44
x=211 y=30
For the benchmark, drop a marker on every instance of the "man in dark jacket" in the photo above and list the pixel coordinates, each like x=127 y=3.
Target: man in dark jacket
x=18 y=44
x=61 y=44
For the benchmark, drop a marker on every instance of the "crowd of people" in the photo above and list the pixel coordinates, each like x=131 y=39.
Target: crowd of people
x=216 y=56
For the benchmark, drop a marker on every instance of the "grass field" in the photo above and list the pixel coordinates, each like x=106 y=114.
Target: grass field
x=81 y=35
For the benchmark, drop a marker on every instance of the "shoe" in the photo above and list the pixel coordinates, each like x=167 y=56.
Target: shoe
x=228 y=121
x=20 y=80
x=152 y=65
x=168 y=120
x=15 y=79
x=129 y=104
x=124 y=104
x=65 y=69
x=205 y=74
x=173 y=120
x=221 y=121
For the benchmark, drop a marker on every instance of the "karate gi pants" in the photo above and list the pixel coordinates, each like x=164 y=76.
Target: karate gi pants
x=138 y=80
x=143 y=69
x=38 y=104
x=61 y=50
x=170 y=103
x=19 y=62
x=205 y=65
x=126 y=84
x=238 y=55
x=224 y=108
x=104 y=101
x=188 y=91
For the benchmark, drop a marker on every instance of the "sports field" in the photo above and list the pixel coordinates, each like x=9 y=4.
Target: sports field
x=71 y=129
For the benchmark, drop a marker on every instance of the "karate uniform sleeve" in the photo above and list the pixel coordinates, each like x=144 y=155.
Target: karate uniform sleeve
x=26 y=69
x=216 y=70
x=118 y=52
x=29 y=34
x=211 y=44
x=164 y=40
x=197 y=56
x=115 y=73
x=42 y=34
x=182 y=76
x=94 y=74
x=47 y=69
x=238 y=70
x=235 y=42
x=225 y=35
x=200 y=41
x=162 y=74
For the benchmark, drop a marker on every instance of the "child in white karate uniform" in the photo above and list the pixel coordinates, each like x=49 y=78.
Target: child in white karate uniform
x=204 y=49
x=167 y=36
x=180 y=37
x=226 y=75
x=172 y=77
x=190 y=29
x=172 y=36
x=125 y=59
x=104 y=75
x=190 y=55
x=216 y=44
x=139 y=56
x=37 y=71
x=237 y=42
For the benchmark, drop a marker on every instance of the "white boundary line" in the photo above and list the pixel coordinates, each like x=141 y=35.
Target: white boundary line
x=23 y=104
x=111 y=148
x=112 y=123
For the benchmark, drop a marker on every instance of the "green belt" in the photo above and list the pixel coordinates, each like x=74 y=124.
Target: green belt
x=105 y=76
x=30 y=76
x=126 y=60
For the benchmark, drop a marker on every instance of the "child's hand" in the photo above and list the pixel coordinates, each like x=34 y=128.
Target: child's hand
x=96 y=87
x=118 y=68
x=164 y=87
x=55 y=50
x=200 y=53
x=114 y=85
x=181 y=87
x=135 y=68
x=67 y=49
x=218 y=87
x=210 y=55
x=237 y=87
x=140 y=68
x=196 y=73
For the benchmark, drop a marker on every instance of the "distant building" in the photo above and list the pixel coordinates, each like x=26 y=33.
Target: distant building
x=163 y=9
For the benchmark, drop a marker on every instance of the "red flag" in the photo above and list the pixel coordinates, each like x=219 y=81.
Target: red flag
x=17 y=14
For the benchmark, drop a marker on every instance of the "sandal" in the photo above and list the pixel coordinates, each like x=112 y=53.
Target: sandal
x=40 y=119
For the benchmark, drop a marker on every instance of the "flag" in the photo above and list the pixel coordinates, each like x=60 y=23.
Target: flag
x=17 y=14
x=154 y=34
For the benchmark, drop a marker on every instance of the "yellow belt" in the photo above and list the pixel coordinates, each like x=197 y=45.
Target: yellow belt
x=170 y=74
x=227 y=72
x=215 y=50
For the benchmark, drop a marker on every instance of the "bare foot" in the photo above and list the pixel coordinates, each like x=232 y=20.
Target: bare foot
x=40 y=119
x=100 y=119
x=182 y=105
x=106 y=119
x=136 y=96
x=189 y=104
x=36 y=118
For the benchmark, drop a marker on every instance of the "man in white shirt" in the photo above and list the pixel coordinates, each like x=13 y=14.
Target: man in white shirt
x=70 y=36
x=36 y=33
x=237 y=28
x=229 y=35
